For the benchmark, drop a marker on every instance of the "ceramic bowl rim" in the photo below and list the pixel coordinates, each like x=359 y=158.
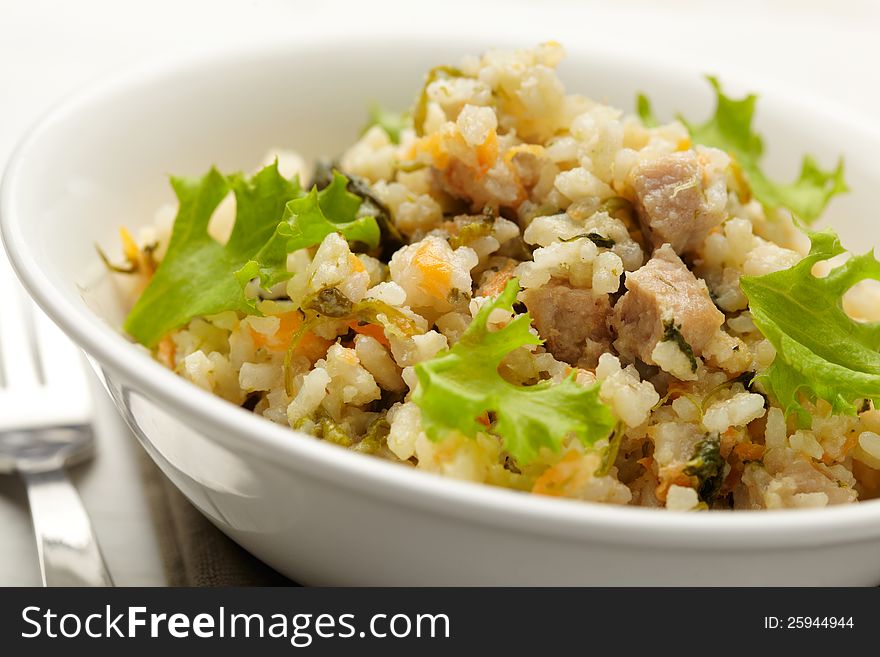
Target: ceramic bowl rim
x=238 y=429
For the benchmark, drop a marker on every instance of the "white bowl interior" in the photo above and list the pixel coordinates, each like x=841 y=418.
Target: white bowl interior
x=90 y=172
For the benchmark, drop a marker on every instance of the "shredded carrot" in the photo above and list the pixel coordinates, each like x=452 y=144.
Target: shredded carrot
x=741 y=184
x=313 y=346
x=259 y=339
x=449 y=450
x=564 y=478
x=435 y=270
x=683 y=144
x=310 y=345
x=668 y=477
x=496 y=282
x=129 y=246
x=484 y=420
x=487 y=154
x=372 y=330
x=290 y=324
x=728 y=441
x=749 y=451
x=165 y=351
x=434 y=146
x=140 y=259
x=852 y=439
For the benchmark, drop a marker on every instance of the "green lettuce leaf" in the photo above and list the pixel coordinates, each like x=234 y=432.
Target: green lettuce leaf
x=730 y=130
x=196 y=276
x=199 y=276
x=462 y=385
x=306 y=222
x=392 y=123
x=820 y=351
x=420 y=112
x=646 y=112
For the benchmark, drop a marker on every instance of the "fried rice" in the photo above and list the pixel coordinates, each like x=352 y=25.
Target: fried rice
x=628 y=242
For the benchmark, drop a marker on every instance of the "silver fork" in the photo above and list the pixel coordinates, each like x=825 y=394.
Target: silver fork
x=45 y=425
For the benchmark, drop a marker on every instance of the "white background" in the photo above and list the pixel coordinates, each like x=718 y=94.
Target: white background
x=829 y=48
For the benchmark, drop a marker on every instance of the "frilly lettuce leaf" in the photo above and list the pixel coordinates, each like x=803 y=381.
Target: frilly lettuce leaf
x=393 y=123
x=196 y=276
x=820 y=351
x=462 y=385
x=646 y=112
x=306 y=222
x=730 y=130
x=199 y=276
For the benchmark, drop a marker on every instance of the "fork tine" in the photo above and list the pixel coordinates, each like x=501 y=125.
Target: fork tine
x=61 y=363
x=16 y=348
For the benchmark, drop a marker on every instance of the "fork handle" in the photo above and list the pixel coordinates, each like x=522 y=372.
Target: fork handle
x=66 y=543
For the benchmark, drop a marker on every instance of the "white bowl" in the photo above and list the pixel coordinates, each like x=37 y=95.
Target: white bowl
x=318 y=513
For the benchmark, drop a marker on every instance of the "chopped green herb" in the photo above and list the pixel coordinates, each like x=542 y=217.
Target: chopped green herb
x=328 y=301
x=745 y=379
x=332 y=432
x=610 y=454
x=376 y=437
x=671 y=332
x=393 y=123
x=595 y=238
x=420 y=113
x=707 y=466
x=646 y=112
x=130 y=267
x=615 y=205
x=393 y=320
x=480 y=227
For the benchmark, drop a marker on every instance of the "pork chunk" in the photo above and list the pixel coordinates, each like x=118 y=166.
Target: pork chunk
x=572 y=322
x=663 y=291
x=680 y=197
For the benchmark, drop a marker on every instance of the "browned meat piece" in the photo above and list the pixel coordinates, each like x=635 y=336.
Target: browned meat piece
x=799 y=475
x=571 y=321
x=663 y=290
x=678 y=201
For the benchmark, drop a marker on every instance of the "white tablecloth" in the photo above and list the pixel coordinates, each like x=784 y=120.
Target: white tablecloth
x=49 y=48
